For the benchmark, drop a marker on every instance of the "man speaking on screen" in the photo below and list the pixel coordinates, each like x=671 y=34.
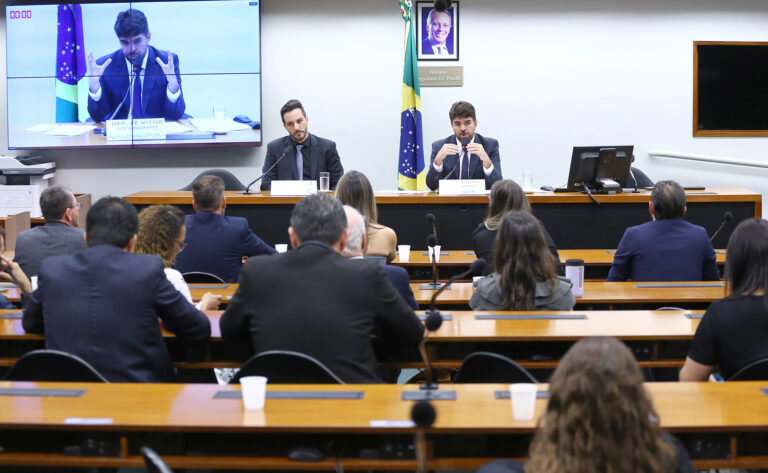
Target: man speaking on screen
x=136 y=81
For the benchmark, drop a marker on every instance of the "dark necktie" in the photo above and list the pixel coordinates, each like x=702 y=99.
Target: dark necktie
x=299 y=162
x=465 y=165
x=136 y=112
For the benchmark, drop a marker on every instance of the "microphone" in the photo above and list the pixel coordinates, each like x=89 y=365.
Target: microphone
x=442 y=5
x=465 y=142
x=247 y=189
x=423 y=415
x=431 y=242
x=727 y=217
x=431 y=219
x=136 y=66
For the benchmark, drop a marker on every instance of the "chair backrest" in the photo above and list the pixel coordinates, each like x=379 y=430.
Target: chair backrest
x=287 y=367
x=53 y=365
x=381 y=259
x=487 y=367
x=642 y=179
x=200 y=277
x=153 y=462
x=231 y=183
x=756 y=371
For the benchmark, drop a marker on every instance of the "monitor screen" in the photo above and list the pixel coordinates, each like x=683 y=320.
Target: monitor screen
x=589 y=164
x=133 y=74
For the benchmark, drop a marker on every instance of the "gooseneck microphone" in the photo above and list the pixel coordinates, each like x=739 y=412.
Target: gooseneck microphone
x=423 y=414
x=135 y=70
x=431 y=242
x=248 y=188
x=442 y=5
x=727 y=217
x=431 y=219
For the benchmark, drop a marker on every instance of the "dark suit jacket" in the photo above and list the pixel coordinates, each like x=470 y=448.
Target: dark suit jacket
x=217 y=243
x=402 y=283
x=154 y=98
x=53 y=238
x=482 y=243
x=665 y=250
x=451 y=163
x=315 y=301
x=426 y=47
x=322 y=157
x=102 y=305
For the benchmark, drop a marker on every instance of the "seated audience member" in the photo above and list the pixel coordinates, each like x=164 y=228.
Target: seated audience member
x=314 y=301
x=102 y=304
x=355 y=190
x=599 y=418
x=4 y=302
x=356 y=247
x=733 y=332
x=216 y=243
x=59 y=235
x=526 y=272
x=505 y=195
x=667 y=248
x=161 y=233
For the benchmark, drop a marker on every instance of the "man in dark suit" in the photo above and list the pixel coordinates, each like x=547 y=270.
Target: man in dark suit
x=136 y=81
x=59 y=235
x=216 y=243
x=301 y=156
x=102 y=304
x=436 y=42
x=667 y=248
x=465 y=154
x=356 y=243
x=315 y=301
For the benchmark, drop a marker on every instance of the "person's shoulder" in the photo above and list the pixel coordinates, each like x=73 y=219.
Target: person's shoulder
x=481 y=230
x=487 y=140
x=439 y=143
x=115 y=56
x=173 y=275
x=163 y=55
x=324 y=142
x=502 y=466
x=281 y=143
x=395 y=271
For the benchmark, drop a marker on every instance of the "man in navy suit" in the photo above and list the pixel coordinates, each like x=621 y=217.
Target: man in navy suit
x=356 y=241
x=299 y=156
x=667 y=248
x=465 y=154
x=102 y=303
x=216 y=243
x=136 y=81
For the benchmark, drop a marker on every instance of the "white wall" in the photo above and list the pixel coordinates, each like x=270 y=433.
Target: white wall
x=544 y=75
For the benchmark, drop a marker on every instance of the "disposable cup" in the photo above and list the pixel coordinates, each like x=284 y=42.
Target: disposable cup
x=281 y=247
x=437 y=253
x=523 y=397
x=404 y=252
x=254 y=390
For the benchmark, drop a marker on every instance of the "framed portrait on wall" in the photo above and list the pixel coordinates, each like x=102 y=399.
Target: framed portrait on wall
x=437 y=33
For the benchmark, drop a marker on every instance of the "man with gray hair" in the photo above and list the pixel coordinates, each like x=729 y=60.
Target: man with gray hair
x=59 y=235
x=314 y=301
x=667 y=248
x=356 y=244
x=216 y=243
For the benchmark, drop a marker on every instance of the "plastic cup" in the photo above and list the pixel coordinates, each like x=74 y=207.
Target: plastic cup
x=436 y=254
x=281 y=247
x=404 y=252
x=528 y=182
x=254 y=390
x=523 y=397
x=325 y=182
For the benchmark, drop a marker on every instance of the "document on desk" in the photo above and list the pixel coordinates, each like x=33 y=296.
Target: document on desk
x=69 y=130
x=211 y=124
x=175 y=127
x=41 y=128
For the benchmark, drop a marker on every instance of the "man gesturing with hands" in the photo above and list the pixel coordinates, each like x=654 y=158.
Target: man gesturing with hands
x=465 y=154
x=136 y=81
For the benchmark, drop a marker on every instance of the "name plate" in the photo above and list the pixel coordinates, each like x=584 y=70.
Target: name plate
x=443 y=76
x=138 y=129
x=294 y=188
x=462 y=187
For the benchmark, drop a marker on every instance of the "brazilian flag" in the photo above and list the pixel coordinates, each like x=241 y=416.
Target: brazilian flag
x=411 y=174
x=70 y=64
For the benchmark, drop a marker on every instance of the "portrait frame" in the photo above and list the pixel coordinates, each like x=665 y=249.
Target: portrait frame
x=423 y=10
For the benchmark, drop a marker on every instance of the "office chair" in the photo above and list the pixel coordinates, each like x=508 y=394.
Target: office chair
x=640 y=177
x=487 y=367
x=287 y=367
x=153 y=462
x=200 y=277
x=757 y=371
x=231 y=183
x=53 y=365
x=379 y=258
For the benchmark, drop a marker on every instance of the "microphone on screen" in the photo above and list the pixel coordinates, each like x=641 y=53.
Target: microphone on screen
x=247 y=189
x=465 y=143
x=727 y=217
x=423 y=414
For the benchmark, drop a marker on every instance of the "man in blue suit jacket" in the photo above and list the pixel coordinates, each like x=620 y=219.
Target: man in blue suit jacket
x=667 y=248
x=216 y=243
x=114 y=85
x=451 y=159
x=102 y=303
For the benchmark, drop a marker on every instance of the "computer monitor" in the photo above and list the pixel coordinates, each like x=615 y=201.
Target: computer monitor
x=593 y=167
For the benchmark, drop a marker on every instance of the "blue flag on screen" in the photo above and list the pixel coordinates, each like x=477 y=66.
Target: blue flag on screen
x=70 y=62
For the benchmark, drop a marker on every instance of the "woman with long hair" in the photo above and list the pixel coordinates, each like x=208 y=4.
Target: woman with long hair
x=355 y=190
x=599 y=419
x=733 y=332
x=162 y=232
x=526 y=272
x=505 y=195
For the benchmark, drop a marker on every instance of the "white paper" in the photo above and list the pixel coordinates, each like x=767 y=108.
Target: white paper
x=89 y=420
x=175 y=127
x=43 y=127
x=392 y=423
x=70 y=130
x=216 y=126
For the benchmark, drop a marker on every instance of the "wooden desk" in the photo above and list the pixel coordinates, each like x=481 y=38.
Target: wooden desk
x=598 y=226
x=192 y=429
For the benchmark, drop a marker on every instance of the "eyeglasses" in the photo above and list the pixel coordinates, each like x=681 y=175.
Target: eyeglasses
x=78 y=205
x=182 y=245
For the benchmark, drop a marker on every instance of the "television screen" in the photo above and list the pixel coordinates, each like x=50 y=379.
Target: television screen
x=133 y=74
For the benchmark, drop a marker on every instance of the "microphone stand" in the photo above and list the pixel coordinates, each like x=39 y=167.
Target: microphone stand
x=248 y=187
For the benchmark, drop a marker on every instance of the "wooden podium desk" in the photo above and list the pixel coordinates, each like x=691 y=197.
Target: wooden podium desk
x=572 y=219
x=191 y=428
